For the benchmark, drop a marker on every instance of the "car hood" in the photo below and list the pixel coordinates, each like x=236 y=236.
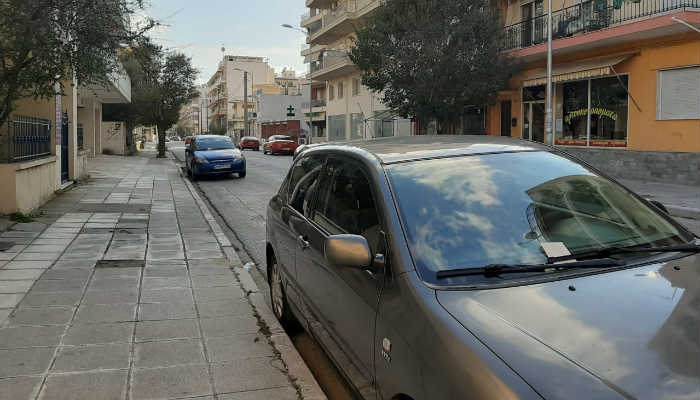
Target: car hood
x=217 y=154
x=632 y=333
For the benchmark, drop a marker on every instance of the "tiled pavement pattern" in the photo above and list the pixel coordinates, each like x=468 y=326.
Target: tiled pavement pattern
x=122 y=292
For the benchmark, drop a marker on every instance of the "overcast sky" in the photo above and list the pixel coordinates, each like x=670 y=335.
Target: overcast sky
x=199 y=28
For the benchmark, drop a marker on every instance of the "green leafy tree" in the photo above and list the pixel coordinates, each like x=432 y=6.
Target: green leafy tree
x=430 y=59
x=162 y=82
x=43 y=42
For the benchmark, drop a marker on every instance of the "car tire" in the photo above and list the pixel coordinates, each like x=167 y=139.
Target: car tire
x=241 y=174
x=193 y=175
x=280 y=305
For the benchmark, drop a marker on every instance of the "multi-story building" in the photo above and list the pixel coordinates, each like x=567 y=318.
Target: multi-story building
x=226 y=93
x=626 y=84
x=340 y=107
x=289 y=83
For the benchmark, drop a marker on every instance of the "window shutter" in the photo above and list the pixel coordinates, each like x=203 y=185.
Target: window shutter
x=679 y=94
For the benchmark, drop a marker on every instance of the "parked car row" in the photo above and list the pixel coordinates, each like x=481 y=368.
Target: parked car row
x=483 y=267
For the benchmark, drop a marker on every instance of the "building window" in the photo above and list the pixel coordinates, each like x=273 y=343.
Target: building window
x=357 y=126
x=336 y=127
x=341 y=89
x=331 y=92
x=592 y=112
x=679 y=94
x=355 y=87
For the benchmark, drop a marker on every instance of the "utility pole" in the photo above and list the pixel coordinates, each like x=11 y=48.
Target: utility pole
x=245 y=103
x=548 y=121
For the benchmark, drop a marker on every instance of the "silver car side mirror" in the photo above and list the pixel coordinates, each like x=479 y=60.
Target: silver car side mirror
x=348 y=251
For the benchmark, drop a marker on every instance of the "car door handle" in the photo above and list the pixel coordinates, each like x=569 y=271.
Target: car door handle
x=303 y=242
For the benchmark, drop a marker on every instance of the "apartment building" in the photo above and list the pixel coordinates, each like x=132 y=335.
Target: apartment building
x=226 y=92
x=340 y=107
x=626 y=84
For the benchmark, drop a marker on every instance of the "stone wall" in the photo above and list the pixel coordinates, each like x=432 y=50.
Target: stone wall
x=676 y=168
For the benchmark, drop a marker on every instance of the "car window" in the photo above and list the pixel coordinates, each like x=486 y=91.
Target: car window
x=303 y=181
x=345 y=204
x=215 y=143
x=467 y=212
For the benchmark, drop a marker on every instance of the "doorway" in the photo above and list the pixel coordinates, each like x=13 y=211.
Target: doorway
x=505 y=117
x=533 y=121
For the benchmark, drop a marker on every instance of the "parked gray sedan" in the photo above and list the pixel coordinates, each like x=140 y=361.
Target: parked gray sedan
x=474 y=267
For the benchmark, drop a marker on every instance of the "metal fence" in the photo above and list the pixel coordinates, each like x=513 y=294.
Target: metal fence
x=588 y=16
x=25 y=138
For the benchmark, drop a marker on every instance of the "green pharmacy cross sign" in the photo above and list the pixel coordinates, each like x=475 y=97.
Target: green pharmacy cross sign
x=290 y=111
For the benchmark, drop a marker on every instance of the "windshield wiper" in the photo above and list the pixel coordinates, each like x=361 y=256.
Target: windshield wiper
x=498 y=269
x=692 y=248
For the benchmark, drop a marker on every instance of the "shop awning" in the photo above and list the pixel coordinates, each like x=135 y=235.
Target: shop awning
x=575 y=71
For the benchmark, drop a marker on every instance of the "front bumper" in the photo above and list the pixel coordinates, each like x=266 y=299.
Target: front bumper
x=220 y=167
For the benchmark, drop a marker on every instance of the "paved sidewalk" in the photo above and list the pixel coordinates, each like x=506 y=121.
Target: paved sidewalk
x=126 y=288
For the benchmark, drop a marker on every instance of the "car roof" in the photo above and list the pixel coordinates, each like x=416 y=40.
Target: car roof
x=412 y=148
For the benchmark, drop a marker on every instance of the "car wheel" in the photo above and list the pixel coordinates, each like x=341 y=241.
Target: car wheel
x=241 y=174
x=193 y=174
x=280 y=306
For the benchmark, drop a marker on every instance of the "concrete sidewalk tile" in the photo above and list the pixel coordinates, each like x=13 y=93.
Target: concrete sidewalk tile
x=281 y=393
x=107 y=385
x=18 y=234
x=41 y=316
x=168 y=353
x=113 y=283
x=28 y=336
x=215 y=281
x=121 y=273
x=67 y=274
x=238 y=347
x=5 y=256
x=86 y=358
x=249 y=374
x=56 y=285
x=30 y=361
x=118 y=312
x=228 y=326
x=20 y=388
x=125 y=295
x=164 y=283
x=44 y=248
x=161 y=311
x=207 y=294
x=81 y=334
x=20 y=274
x=170 y=382
x=15 y=286
x=63 y=264
x=165 y=272
x=10 y=300
x=167 y=329
x=70 y=298
x=170 y=295
x=16 y=248
x=24 y=256
x=213 y=309
x=22 y=264
x=58 y=235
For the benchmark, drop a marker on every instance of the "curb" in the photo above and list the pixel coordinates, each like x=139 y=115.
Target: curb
x=684 y=212
x=296 y=367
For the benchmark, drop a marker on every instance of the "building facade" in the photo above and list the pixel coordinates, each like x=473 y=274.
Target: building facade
x=340 y=106
x=626 y=84
x=226 y=93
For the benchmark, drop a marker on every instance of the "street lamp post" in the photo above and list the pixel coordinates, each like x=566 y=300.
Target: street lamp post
x=549 y=137
x=246 y=129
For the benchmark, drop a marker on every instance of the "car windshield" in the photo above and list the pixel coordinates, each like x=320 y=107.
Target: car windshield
x=499 y=208
x=214 y=143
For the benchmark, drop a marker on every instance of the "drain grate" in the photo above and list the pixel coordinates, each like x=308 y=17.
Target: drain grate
x=6 y=245
x=120 y=264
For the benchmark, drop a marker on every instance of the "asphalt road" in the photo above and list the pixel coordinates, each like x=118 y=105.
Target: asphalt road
x=242 y=204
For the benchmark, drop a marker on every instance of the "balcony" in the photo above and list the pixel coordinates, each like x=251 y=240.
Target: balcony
x=588 y=17
x=311 y=16
x=340 y=21
x=117 y=91
x=332 y=65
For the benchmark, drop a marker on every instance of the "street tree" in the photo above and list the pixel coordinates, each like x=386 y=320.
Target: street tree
x=162 y=82
x=45 y=42
x=431 y=59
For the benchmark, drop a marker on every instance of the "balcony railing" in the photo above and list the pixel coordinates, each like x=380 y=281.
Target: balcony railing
x=329 y=60
x=25 y=138
x=588 y=16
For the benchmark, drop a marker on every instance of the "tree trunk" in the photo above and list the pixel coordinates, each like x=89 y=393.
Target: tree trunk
x=161 y=141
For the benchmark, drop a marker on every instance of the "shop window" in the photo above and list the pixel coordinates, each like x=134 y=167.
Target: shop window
x=575 y=115
x=357 y=126
x=679 y=94
x=609 y=112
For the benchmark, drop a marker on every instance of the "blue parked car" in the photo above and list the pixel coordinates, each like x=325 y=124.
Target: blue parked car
x=213 y=155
